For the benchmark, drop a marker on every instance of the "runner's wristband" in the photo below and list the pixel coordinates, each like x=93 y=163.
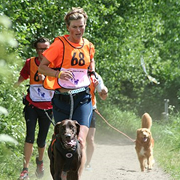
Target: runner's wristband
x=59 y=75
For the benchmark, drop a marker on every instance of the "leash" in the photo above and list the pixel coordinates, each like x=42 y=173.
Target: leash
x=49 y=117
x=71 y=109
x=72 y=105
x=113 y=127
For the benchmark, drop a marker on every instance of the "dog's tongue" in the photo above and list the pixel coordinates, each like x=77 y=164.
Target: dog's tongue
x=145 y=139
x=71 y=143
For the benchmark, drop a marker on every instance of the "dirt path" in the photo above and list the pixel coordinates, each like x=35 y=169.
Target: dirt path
x=115 y=159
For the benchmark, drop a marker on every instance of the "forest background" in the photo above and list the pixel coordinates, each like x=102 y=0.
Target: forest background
x=126 y=34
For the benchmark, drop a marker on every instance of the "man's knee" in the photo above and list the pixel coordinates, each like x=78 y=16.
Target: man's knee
x=90 y=140
x=29 y=140
x=41 y=143
x=82 y=142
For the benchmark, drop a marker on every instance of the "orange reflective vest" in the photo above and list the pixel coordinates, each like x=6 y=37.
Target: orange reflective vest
x=76 y=60
x=37 y=92
x=34 y=79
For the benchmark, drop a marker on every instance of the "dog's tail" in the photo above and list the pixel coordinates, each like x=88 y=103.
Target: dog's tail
x=146 y=121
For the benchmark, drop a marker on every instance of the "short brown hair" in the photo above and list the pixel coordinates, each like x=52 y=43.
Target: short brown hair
x=74 y=14
x=41 y=40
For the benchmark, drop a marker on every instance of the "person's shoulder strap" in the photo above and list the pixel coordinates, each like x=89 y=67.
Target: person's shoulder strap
x=60 y=37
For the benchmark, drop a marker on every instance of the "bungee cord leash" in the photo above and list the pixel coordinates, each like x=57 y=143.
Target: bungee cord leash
x=71 y=109
x=49 y=117
x=71 y=113
x=114 y=127
x=72 y=105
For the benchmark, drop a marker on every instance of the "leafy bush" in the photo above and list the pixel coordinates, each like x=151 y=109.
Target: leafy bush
x=123 y=32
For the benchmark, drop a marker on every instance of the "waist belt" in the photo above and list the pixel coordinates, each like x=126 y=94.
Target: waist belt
x=75 y=91
x=65 y=96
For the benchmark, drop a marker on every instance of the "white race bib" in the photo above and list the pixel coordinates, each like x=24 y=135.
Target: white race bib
x=80 y=79
x=39 y=94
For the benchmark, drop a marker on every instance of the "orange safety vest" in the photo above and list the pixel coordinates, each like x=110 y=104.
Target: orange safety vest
x=76 y=60
x=34 y=79
x=37 y=92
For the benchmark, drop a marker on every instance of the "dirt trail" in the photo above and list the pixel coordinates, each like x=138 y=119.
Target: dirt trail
x=115 y=159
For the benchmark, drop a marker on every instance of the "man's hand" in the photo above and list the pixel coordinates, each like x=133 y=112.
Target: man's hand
x=66 y=75
x=104 y=93
x=16 y=84
x=94 y=80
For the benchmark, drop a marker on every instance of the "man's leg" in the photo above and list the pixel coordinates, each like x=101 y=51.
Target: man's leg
x=82 y=137
x=41 y=153
x=44 y=124
x=28 y=149
x=90 y=145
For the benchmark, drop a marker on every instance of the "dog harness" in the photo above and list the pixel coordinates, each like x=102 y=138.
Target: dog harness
x=67 y=154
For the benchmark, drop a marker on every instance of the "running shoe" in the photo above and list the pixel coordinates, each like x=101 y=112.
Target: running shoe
x=24 y=175
x=88 y=167
x=39 y=169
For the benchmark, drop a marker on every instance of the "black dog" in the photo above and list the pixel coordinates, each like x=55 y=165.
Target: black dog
x=64 y=151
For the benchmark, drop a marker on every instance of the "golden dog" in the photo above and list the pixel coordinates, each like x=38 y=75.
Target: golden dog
x=144 y=143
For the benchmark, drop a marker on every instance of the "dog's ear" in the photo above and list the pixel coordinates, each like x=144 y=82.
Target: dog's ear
x=78 y=127
x=56 y=128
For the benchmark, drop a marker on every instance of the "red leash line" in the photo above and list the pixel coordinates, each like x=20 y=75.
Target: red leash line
x=113 y=127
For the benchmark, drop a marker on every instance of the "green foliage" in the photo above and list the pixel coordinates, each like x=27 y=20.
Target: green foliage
x=123 y=32
x=9 y=116
x=167 y=145
x=7 y=42
x=13 y=125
